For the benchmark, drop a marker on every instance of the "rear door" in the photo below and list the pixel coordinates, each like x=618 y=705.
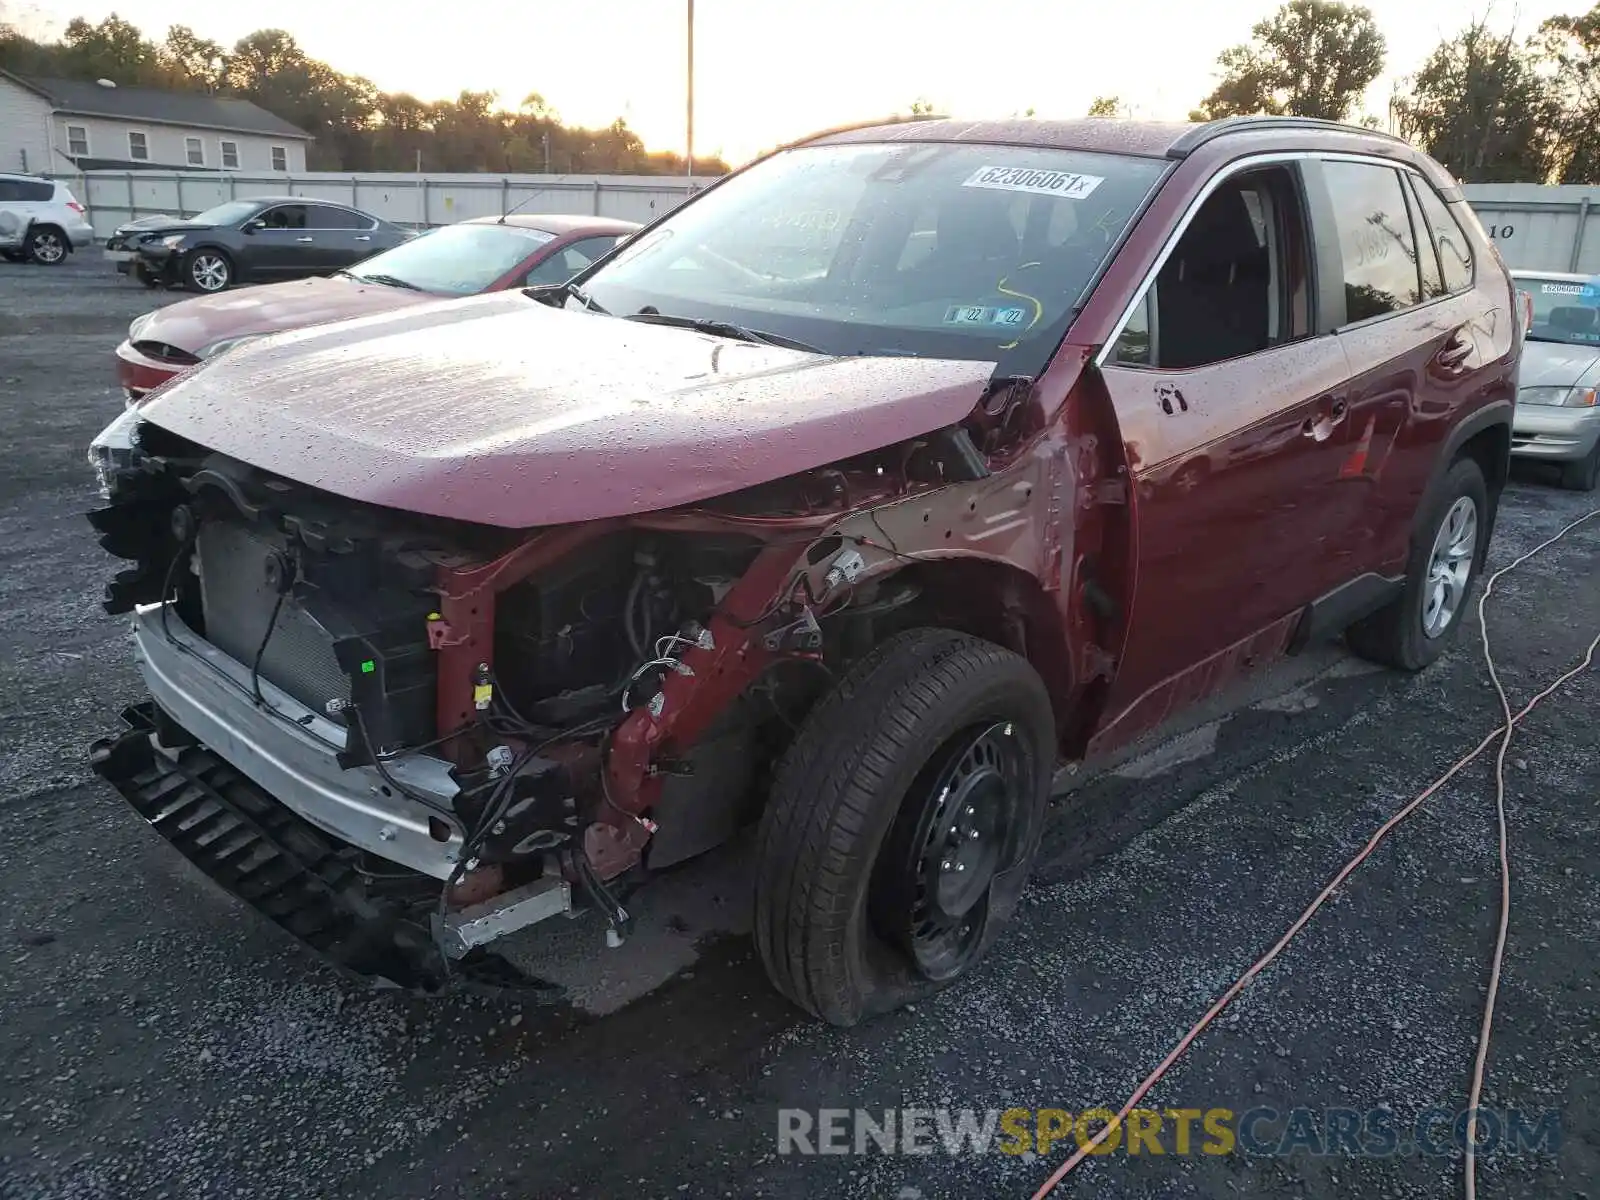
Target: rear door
x=1229 y=396
x=1412 y=331
x=283 y=247
x=342 y=237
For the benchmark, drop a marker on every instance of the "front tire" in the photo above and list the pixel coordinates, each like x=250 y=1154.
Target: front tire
x=1583 y=475
x=207 y=271
x=46 y=245
x=1446 y=553
x=902 y=824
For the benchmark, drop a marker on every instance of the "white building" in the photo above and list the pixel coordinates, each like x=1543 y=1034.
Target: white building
x=52 y=126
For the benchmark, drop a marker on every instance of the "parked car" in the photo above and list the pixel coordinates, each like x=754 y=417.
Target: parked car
x=40 y=220
x=258 y=241
x=848 y=498
x=486 y=254
x=1558 y=419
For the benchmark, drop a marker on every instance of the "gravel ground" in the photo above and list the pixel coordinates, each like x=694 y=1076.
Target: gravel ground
x=158 y=1040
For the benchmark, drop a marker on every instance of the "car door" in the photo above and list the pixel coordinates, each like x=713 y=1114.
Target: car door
x=342 y=237
x=279 y=244
x=1413 y=332
x=1228 y=395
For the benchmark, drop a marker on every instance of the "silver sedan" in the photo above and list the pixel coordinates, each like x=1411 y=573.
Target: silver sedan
x=1558 y=416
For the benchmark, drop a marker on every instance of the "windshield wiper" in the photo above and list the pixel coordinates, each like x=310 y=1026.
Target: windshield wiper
x=545 y=292
x=387 y=281
x=723 y=329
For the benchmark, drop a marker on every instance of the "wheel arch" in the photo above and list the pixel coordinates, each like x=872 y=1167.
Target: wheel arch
x=1484 y=438
x=33 y=227
x=997 y=602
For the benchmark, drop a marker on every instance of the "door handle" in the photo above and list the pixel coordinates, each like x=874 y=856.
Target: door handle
x=302 y=239
x=362 y=237
x=1455 y=352
x=1320 y=428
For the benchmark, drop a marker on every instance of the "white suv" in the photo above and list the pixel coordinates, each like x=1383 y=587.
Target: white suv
x=40 y=220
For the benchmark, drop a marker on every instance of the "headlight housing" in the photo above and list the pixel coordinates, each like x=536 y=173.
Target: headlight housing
x=1558 y=397
x=173 y=240
x=217 y=348
x=114 y=447
x=137 y=327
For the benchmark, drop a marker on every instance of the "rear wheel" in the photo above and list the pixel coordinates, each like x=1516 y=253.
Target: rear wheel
x=1583 y=475
x=46 y=245
x=1446 y=552
x=207 y=270
x=902 y=824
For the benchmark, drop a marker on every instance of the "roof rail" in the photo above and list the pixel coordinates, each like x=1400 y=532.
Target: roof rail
x=1200 y=135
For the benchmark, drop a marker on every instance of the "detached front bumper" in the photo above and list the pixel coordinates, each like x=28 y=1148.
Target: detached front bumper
x=256 y=799
x=1554 y=434
x=290 y=751
x=157 y=262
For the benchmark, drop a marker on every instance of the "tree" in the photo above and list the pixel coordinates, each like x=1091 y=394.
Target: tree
x=193 y=62
x=113 y=50
x=1480 y=106
x=1107 y=106
x=1312 y=58
x=1569 y=48
x=921 y=107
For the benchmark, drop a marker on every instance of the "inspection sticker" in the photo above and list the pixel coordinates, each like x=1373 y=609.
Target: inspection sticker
x=981 y=314
x=1029 y=179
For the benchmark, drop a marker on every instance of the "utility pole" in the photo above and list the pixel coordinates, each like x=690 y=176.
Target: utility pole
x=690 y=114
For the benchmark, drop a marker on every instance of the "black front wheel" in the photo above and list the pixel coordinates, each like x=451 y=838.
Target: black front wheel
x=902 y=824
x=1584 y=474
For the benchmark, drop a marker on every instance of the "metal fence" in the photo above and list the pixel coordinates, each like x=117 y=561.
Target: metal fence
x=113 y=197
x=1540 y=228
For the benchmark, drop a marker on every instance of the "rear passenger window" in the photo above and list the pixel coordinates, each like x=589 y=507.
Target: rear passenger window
x=1455 y=254
x=1375 y=239
x=325 y=216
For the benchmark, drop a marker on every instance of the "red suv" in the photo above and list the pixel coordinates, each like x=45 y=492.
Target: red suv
x=845 y=501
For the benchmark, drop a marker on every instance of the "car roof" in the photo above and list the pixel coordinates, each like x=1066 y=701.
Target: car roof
x=1151 y=139
x=560 y=223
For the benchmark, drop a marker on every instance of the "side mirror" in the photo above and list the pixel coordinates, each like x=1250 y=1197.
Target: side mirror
x=254 y=224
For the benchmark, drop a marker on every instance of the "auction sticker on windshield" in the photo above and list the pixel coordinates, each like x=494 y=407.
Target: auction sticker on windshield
x=1031 y=179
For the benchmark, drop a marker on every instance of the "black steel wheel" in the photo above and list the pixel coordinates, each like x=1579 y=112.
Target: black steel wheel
x=902 y=824
x=958 y=823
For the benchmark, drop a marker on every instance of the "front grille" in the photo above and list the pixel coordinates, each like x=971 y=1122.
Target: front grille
x=162 y=352
x=237 y=603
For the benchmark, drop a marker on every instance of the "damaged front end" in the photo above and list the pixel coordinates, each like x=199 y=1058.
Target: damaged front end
x=403 y=737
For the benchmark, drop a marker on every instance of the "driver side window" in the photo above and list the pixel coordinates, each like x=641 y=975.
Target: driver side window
x=1235 y=284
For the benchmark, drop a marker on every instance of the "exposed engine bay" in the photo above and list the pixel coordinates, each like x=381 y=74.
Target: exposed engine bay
x=483 y=728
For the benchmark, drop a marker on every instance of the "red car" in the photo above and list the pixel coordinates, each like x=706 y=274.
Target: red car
x=845 y=501
x=486 y=254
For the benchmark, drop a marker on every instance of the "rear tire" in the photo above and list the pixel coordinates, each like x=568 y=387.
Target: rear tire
x=931 y=759
x=47 y=246
x=1415 y=629
x=1583 y=475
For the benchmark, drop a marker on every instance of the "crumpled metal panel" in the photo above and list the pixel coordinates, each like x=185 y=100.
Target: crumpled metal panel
x=504 y=411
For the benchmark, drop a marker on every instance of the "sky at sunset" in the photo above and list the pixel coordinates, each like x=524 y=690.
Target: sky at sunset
x=765 y=71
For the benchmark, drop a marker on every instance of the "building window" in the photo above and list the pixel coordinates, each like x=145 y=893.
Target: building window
x=138 y=146
x=230 y=156
x=194 y=150
x=280 y=158
x=78 y=141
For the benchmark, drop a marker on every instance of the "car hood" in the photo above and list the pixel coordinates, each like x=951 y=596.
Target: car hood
x=1556 y=364
x=194 y=324
x=504 y=411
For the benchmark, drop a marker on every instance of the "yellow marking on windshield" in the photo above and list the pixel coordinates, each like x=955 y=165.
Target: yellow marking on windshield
x=1038 y=308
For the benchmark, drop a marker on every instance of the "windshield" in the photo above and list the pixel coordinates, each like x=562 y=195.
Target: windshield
x=1564 y=310
x=455 y=260
x=931 y=249
x=229 y=213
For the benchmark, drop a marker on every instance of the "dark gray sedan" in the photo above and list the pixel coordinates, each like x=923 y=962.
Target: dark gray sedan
x=258 y=241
